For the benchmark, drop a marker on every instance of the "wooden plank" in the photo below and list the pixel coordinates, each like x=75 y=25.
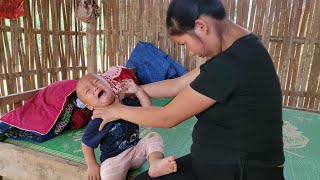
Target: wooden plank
x=44 y=54
x=92 y=47
x=22 y=163
x=62 y=48
x=81 y=51
x=116 y=27
x=3 y=66
x=30 y=50
x=267 y=22
x=314 y=80
x=245 y=11
x=17 y=97
x=302 y=109
x=240 y=13
x=10 y=81
x=287 y=55
x=259 y=16
x=122 y=24
x=273 y=50
x=252 y=15
x=130 y=28
x=294 y=65
x=232 y=10
x=309 y=49
x=299 y=93
x=55 y=37
x=101 y=42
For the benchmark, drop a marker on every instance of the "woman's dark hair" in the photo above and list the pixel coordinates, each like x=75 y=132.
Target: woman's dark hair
x=182 y=14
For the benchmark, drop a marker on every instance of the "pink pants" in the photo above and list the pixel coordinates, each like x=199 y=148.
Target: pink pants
x=116 y=168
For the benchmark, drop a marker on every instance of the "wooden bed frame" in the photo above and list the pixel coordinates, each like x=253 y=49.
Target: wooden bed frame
x=22 y=163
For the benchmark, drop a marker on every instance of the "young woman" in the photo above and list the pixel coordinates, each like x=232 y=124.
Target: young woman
x=235 y=95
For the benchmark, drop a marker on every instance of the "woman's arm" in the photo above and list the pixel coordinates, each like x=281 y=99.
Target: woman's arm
x=170 y=87
x=185 y=105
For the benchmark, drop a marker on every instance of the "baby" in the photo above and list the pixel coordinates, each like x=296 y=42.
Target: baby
x=120 y=145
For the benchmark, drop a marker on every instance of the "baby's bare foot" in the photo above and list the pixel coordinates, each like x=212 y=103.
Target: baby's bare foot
x=163 y=166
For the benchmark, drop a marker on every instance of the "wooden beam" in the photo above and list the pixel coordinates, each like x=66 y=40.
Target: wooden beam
x=301 y=109
x=92 y=47
x=17 y=97
x=22 y=163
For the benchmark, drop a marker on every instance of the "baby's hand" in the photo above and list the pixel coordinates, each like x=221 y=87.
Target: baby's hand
x=93 y=171
x=129 y=87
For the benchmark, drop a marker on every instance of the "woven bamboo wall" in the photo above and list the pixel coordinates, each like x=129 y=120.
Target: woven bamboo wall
x=141 y=20
x=49 y=43
x=43 y=46
x=290 y=30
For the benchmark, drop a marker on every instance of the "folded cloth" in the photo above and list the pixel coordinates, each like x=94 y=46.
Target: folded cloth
x=40 y=113
x=71 y=117
x=12 y=132
x=152 y=64
x=87 y=10
x=11 y=9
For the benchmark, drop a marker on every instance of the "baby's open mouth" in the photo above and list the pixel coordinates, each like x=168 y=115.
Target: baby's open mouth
x=101 y=94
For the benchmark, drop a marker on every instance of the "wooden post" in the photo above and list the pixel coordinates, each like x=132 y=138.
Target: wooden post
x=92 y=47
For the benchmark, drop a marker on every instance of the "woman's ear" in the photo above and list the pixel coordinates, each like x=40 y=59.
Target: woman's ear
x=201 y=27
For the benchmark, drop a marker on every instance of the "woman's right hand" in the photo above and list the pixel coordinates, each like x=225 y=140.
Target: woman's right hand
x=93 y=172
x=107 y=114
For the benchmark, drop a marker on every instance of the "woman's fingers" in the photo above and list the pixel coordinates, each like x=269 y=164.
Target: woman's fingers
x=103 y=123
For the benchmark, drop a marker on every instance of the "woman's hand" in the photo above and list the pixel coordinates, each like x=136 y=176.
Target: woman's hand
x=107 y=114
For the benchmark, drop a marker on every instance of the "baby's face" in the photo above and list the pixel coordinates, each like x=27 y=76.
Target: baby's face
x=94 y=91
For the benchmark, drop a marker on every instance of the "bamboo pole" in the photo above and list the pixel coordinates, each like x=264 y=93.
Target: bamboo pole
x=92 y=47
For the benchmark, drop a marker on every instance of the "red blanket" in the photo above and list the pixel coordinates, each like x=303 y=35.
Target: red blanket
x=42 y=110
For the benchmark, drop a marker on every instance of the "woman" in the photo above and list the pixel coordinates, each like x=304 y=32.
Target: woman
x=235 y=95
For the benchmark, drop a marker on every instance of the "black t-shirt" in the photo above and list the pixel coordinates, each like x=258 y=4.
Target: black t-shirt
x=244 y=126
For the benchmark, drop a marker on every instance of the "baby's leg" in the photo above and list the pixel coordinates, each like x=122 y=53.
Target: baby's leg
x=116 y=168
x=151 y=147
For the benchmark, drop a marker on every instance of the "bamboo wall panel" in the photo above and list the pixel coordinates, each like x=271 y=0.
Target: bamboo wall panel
x=45 y=45
x=290 y=30
x=49 y=44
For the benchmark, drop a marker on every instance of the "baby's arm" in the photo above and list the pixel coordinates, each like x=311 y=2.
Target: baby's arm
x=143 y=98
x=93 y=171
x=131 y=88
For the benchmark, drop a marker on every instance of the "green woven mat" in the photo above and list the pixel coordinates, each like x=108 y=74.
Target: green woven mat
x=301 y=139
x=67 y=145
x=301 y=133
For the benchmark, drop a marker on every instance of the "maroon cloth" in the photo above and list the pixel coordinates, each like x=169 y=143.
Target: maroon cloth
x=80 y=118
x=41 y=111
x=11 y=9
